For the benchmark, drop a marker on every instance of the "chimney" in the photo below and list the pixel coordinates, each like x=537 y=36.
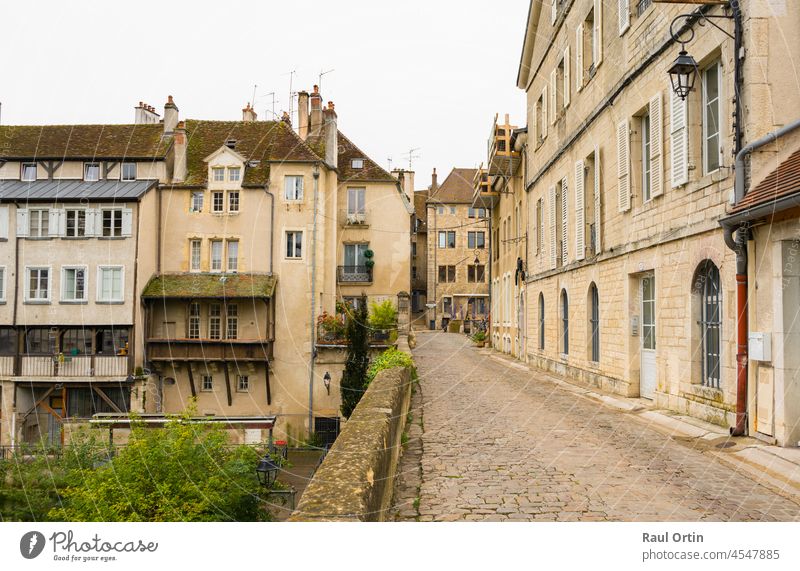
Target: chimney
x=179 y=149
x=145 y=115
x=331 y=137
x=406 y=180
x=286 y=119
x=434 y=181
x=302 y=114
x=170 y=116
x=249 y=114
x=316 y=112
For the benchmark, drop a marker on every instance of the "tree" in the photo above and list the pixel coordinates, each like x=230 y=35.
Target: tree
x=354 y=380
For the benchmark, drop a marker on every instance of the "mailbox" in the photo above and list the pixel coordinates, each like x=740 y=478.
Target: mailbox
x=759 y=346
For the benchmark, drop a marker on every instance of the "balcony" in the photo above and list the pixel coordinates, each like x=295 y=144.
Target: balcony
x=503 y=159
x=354 y=275
x=483 y=195
x=67 y=366
x=349 y=219
x=252 y=350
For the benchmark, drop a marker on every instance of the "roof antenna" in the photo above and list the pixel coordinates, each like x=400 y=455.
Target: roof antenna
x=411 y=155
x=390 y=163
x=253 y=99
x=272 y=93
x=291 y=92
x=321 y=73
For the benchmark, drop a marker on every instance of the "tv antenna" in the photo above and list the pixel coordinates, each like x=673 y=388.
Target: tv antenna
x=411 y=155
x=253 y=99
x=291 y=92
x=272 y=93
x=321 y=73
x=390 y=163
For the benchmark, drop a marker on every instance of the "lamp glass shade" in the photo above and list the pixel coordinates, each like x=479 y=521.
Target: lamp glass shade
x=682 y=74
x=266 y=471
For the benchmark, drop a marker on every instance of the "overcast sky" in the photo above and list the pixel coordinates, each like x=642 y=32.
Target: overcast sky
x=426 y=74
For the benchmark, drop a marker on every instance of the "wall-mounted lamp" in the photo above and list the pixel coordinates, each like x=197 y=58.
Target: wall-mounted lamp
x=326 y=380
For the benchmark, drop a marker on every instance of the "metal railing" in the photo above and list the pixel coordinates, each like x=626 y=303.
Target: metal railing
x=354 y=274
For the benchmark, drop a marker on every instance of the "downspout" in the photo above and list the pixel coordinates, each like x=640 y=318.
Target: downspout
x=17 y=359
x=271 y=224
x=312 y=320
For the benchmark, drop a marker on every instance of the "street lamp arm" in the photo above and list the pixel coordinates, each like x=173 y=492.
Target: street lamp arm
x=703 y=17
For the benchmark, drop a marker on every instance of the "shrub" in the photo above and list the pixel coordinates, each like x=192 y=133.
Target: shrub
x=479 y=337
x=389 y=359
x=383 y=315
x=354 y=379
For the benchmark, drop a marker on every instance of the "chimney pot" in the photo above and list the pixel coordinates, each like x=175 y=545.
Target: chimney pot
x=316 y=89
x=170 y=115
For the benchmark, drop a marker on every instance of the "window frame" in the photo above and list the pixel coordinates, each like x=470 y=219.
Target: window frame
x=86 y=169
x=99 y=296
x=231 y=319
x=211 y=255
x=717 y=63
x=28 y=298
x=114 y=212
x=42 y=220
x=234 y=199
x=193 y=326
x=128 y=164
x=22 y=176
x=215 y=321
x=75 y=268
x=217 y=198
x=3 y=284
x=294 y=195
x=206 y=383
x=233 y=268
x=193 y=201
x=234 y=174
x=357 y=164
x=77 y=212
x=192 y=266
x=286 y=252
x=243 y=383
x=217 y=174
x=645 y=128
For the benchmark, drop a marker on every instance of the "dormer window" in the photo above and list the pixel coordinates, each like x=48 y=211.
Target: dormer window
x=128 y=171
x=357 y=163
x=234 y=174
x=230 y=143
x=91 y=172
x=28 y=172
x=218 y=174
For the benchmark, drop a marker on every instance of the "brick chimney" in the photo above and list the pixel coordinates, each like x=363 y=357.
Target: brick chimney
x=179 y=150
x=249 y=114
x=434 y=181
x=331 y=137
x=302 y=114
x=144 y=114
x=406 y=180
x=170 y=116
x=316 y=112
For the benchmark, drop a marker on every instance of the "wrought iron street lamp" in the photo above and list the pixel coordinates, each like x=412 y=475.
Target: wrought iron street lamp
x=326 y=380
x=682 y=74
x=267 y=471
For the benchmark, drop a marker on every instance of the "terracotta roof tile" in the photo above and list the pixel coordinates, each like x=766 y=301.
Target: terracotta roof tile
x=783 y=181
x=456 y=188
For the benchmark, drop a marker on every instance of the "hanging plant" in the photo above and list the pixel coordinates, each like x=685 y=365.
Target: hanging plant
x=369 y=263
x=368 y=253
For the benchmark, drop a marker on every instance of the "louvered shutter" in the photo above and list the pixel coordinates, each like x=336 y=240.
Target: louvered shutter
x=127 y=221
x=598 y=32
x=623 y=166
x=3 y=223
x=580 y=222
x=553 y=95
x=579 y=57
x=597 y=214
x=54 y=225
x=564 y=218
x=679 y=144
x=656 y=144
x=624 y=16
x=93 y=227
x=553 y=11
x=544 y=112
x=23 y=218
x=551 y=199
x=567 y=87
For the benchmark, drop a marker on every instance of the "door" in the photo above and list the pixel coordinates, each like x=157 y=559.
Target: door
x=354 y=257
x=647 y=375
x=521 y=325
x=54 y=422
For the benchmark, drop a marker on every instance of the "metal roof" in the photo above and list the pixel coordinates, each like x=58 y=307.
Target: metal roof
x=68 y=190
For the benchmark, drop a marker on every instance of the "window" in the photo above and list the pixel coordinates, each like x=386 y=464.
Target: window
x=707 y=285
x=214 y=321
x=195 y=248
x=2 y=283
x=232 y=321
x=645 y=122
x=194 y=321
x=38 y=284
x=91 y=172
x=218 y=174
x=642 y=7
x=112 y=223
x=294 y=244
x=84 y=402
x=234 y=174
x=476 y=240
x=357 y=163
x=711 y=118
x=413 y=249
x=540 y=118
x=447 y=239
x=440 y=209
x=73 y=284
x=197 y=201
x=8 y=341
x=242 y=383
x=476 y=274
x=216 y=256
x=28 y=173
x=233 y=201
x=413 y=272
x=206 y=383
x=293 y=188
x=539 y=226
x=128 y=171
x=233 y=255
x=541 y=321
x=76 y=223
x=453 y=210
x=76 y=342
x=356 y=201
x=594 y=322
x=564 y=322
x=476 y=212
x=447 y=305
x=354 y=258
x=39 y=223
x=110 y=283
x=39 y=341
x=112 y=341
x=447 y=274
x=217 y=202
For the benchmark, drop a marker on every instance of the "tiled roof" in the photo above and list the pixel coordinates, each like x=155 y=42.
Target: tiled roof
x=83 y=142
x=255 y=140
x=371 y=171
x=783 y=181
x=420 y=198
x=69 y=190
x=198 y=286
x=456 y=189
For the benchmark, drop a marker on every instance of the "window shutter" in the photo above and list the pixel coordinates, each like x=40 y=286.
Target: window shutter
x=552 y=204
x=679 y=144
x=553 y=98
x=23 y=218
x=624 y=16
x=564 y=216
x=580 y=222
x=567 y=85
x=127 y=221
x=597 y=215
x=3 y=225
x=598 y=31
x=623 y=166
x=656 y=143
x=92 y=223
x=544 y=112
x=54 y=227
x=579 y=57
x=553 y=11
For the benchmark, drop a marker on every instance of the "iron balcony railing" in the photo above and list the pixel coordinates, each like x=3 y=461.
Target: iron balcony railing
x=354 y=274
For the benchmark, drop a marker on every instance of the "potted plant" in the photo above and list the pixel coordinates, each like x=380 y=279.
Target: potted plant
x=479 y=338
x=331 y=327
x=368 y=261
x=382 y=320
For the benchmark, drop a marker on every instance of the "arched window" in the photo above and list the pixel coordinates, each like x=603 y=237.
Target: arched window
x=564 y=322
x=707 y=285
x=541 y=321
x=594 y=322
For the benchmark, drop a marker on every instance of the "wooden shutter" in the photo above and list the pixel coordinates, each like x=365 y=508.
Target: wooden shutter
x=127 y=221
x=623 y=166
x=3 y=224
x=553 y=11
x=656 y=144
x=567 y=87
x=624 y=16
x=23 y=218
x=580 y=221
x=679 y=143
x=553 y=95
x=598 y=30
x=551 y=199
x=597 y=214
x=54 y=225
x=564 y=218
x=579 y=57
x=544 y=112
x=93 y=225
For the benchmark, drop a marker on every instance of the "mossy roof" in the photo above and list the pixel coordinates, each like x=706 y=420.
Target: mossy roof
x=371 y=171
x=205 y=285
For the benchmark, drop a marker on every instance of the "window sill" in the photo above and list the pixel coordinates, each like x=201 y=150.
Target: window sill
x=103 y=302
x=112 y=237
x=76 y=237
x=39 y=238
x=37 y=302
x=74 y=302
x=712 y=178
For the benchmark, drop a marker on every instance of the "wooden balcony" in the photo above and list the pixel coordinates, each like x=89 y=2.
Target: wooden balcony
x=254 y=350
x=65 y=366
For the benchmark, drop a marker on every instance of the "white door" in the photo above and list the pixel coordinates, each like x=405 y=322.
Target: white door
x=647 y=376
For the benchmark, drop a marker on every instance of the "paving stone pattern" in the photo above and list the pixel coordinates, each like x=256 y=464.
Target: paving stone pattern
x=503 y=443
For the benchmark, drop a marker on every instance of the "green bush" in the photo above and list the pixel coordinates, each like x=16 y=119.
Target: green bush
x=389 y=359
x=354 y=379
x=479 y=337
x=383 y=315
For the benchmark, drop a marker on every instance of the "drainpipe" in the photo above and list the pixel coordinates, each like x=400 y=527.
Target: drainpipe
x=312 y=321
x=740 y=226
x=271 y=224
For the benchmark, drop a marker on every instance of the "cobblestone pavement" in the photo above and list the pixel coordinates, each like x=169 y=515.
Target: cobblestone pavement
x=501 y=442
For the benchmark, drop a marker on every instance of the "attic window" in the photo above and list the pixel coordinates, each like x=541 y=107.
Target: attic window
x=357 y=163
x=230 y=143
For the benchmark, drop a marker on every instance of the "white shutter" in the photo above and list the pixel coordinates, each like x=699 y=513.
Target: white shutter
x=580 y=222
x=23 y=218
x=579 y=57
x=623 y=166
x=553 y=11
x=127 y=221
x=597 y=214
x=551 y=199
x=598 y=32
x=679 y=144
x=544 y=112
x=93 y=225
x=624 y=16
x=62 y=222
x=53 y=228
x=3 y=225
x=567 y=86
x=564 y=217
x=656 y=144
x=553 y=95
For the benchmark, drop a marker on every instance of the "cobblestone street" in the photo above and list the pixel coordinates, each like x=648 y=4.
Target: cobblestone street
x=500 y=442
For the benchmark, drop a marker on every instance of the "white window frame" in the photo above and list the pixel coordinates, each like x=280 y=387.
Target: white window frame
x=64 y=270
x=100 y=270
x=192 y=266
x=86 y=167
x=718 y=64
x=77 y=212
x=646 y=129
x=211 y=257
x=294 y=247
x=234 y=174
x=218 y=174
x=233 y=268
x=215 y=320
x=3 y=280
x=119 y=212
x=295 y=192
x=44 y=214
x=214 y=195
x=194 y=322
x=22 y=176
x=122 y=170
x=243 y=387
x=237 y=194
x=231 y=320
x=359 y=195
x=206 y=388
x=27 y=291
x=357 y=163
x=193 y=204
